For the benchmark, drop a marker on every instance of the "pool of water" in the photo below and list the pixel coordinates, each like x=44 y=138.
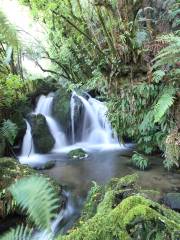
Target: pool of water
x=101 y=166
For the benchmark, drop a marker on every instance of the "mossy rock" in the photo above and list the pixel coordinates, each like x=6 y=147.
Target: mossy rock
x=130 y=217
x=42 y=137
x=61 y=108
x=10 y=171
x=78 y=153
x=47 y=165
x=43 y=87
x=18 y=119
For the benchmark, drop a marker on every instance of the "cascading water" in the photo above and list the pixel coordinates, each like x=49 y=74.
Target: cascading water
x=28 y=145
x=96 y=128
x=64 y=215
x=72 y=115
x=44 y=107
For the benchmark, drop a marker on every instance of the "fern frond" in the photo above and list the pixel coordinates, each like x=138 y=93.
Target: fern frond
x=19 y=233
x=7 y=31
x=9 y=131
x=169 y=55
x=158 y=75
x=165 y=101
x=36 y=196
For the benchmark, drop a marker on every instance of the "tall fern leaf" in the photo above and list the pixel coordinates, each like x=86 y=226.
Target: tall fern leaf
x=20 y=233
x=7 y=31
x=9 y=131
x=36 y=196
x=164 y=103
x=169 y=55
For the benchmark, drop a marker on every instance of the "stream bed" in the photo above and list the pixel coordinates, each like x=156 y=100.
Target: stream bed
x=77 y=176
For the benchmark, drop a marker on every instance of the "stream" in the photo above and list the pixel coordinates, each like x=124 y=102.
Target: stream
x=107 y=158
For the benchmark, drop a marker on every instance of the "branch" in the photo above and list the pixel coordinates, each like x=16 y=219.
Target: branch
x=80 y=31
x=45 y=70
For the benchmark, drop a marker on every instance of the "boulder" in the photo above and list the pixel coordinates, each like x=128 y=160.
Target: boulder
x=78 y=153
x=172 y=200
x=42 y=137
x=10 y=171
x=18 y=119
x=78 y=118
x=61 y=108
x=47 y=165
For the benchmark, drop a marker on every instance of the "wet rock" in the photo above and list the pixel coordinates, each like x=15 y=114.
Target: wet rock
x=78 y=153
x=172 y=200
x=18 y=119
x=61 y=108
x=47 y=165
x=42 y=137
x=78 y=118
x=43 y=87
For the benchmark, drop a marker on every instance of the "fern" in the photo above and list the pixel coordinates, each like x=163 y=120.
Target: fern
x=36 y=196
x=9 y=131
x=169 y=55
x=164 y=103
x=158 y=75
x=7 y=31
x=20 y=233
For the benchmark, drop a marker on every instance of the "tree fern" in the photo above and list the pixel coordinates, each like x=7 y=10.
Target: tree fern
x=165 y=101
x=9 y=131
x=36 y=196
x=19 y=233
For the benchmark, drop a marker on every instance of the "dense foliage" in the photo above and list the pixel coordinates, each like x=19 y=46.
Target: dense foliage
x=127 y=52
x=117 y=48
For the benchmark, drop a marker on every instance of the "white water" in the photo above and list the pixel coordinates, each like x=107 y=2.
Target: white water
x=66 y=213
x=27 y=146
x=96 y=128
x=44 y=107
x=72 y=116
x=96 y=132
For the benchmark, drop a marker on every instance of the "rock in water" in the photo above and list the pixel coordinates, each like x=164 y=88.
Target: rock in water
x=47 y=165
x=42 y=137
x=61 y=108
x=78 y=153
x=172 y=200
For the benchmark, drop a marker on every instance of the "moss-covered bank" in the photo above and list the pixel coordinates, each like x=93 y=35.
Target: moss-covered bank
x=121 y=210
x=10 y=171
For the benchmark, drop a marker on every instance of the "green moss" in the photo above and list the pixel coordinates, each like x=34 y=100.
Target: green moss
x=78 y=153
x=61 y=107
x=134 y=217
x=10 y=171
x=41 y=134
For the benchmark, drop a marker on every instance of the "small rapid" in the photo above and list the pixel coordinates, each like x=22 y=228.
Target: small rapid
x=44 y=107
x=27 y=145
x=96 y=127
x=63 y=219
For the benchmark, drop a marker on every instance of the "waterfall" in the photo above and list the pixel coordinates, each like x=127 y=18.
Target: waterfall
x=96 y=128
x=72 y=116
x=44 y=107
x=27 y=145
